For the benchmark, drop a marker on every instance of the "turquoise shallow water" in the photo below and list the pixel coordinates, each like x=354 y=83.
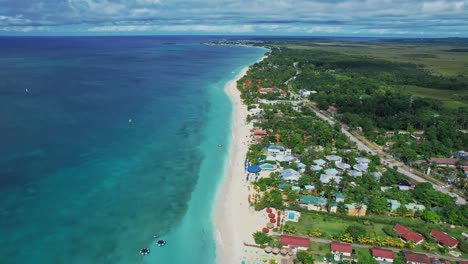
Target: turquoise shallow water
x=115 y=140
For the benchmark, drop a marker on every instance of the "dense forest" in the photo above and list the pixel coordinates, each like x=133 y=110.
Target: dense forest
x=370 y=93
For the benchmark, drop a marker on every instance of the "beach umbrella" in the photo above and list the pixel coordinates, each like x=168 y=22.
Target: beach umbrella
x=270 y=225
x=269 y=210
x=275 y=251
x=268 y=249
x=265 y=230
x=271 y=215
x=272 y=220
x=278 y=212
x=283 y=251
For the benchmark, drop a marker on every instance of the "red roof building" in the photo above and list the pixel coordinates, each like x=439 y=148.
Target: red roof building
x=381 y=254
x=444 y=239
x=416 y=258
x=408 y=234
x=259 y=132
x=345 y=249
x=444 y=161
x=295 y=241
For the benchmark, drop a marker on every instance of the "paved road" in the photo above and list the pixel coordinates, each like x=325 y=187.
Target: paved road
x=384 y=157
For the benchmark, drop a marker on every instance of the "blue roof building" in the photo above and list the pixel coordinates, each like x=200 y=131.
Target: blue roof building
x=290 y=175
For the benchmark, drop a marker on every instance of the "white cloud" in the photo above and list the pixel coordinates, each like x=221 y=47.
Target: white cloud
x=443 y=6
x=172 y=28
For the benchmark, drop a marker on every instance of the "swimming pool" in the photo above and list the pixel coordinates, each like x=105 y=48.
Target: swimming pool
x=291 y=215
x=267 y=166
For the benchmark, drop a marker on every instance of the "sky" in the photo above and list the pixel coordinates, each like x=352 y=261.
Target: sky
x=392 y=18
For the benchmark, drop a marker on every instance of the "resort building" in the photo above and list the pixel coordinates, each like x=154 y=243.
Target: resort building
x=342 y=166
x=443 y=239
x=383 y=256
x=316 y=168
x=416 y=258
x=355 y=209
x=405 y=185
x=360 y=167
x=407 y=234
x=333 y=208
x=320 y=162
x=309 y=187
x=415 y=207
x=302 y=243
x=339 y=197
x=324 y=178
x=341 y=248
x=393 y=204
x=362 y=160
x=331 y=172
x=334 y=158
x=377 y=175
x=354 y=173
x=312 y=203
x=290 y=175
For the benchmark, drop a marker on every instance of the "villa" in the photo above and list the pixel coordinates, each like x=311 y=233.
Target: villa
x=342 y=166
x=383 y=255
x=416 y=258
x=324 y=178
x=339 y=197
x=360 y=167
x=302 y=243
x=407 y=234
x=355 y=209
x=331 y=172
x=333 y=208
x=341 y=248
x=355 y=173
x=405 y=185
x=415 y=207
x=320 y=162
x=362 y=160
x=312 y=203
x=316 y=168
x=334 y=158
x=443 y=239
x=394 y=204
x=290 y=175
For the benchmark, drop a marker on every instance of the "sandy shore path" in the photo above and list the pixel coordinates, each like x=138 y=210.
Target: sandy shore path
x=234 y=220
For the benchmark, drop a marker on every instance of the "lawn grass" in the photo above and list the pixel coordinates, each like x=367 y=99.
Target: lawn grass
x=333 y=225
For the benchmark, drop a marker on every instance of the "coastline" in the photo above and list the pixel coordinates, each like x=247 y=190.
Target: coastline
x=234 y=220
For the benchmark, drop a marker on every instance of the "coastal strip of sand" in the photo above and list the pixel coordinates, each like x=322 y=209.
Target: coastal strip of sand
x=234 y=220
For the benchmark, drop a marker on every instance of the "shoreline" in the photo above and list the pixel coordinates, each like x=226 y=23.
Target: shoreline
x=234 y=220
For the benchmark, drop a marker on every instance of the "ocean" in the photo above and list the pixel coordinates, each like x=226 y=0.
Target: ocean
x=109 y=141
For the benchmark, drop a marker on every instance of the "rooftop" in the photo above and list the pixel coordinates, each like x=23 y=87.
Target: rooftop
x=417 y=258
x=408 y=234
x=443 y=238
x=295 y=241
x=382 y=253
x=341 y=247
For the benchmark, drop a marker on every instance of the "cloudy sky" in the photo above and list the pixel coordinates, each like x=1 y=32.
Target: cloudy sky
x=417 y=18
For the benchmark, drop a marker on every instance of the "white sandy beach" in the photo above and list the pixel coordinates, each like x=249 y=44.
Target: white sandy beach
x=234 y=220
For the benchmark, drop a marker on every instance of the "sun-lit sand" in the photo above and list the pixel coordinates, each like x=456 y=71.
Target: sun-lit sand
x=235 y=221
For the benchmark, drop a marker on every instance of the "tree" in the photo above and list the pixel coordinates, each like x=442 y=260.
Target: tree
x=429 y=246
x=355 y=231
x=261 y=238
x=430 y=216
x=305 y=258
x=378 y=205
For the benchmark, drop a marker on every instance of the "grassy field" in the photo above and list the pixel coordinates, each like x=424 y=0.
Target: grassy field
x=330 y=225
x=453 y=99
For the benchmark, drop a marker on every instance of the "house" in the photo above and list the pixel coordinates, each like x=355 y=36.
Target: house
x=342 y=166
x=333 y=208
x=355 y=173
x=362 y=160
x=309 y=187
x=443 y=239
x=377 y=175
x=305 y=93
x=301 y=166
x=316 y=168
x=259 y=132
x=290 y=175
x=331 y=172
x=407 y=234
x=341 y=248
x=312 y=203
x=394 y=204
x=320 y=162
x=390 y=144
x=405 y=185
x=415 y=207
x=461 y=154
x=324 y=178
x=355 y=209
x=383 y=255
x=334 y=158
x=339 y=197
x=416 y=258
x=295 y=242
x=385 y=188
x=296 y=188
x=444 y=162
x=361 y=167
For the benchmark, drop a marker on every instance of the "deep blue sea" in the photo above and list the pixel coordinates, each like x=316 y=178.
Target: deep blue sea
x=107 y=141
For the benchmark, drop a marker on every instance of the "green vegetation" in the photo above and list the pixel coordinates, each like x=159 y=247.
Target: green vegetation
x=261 y=238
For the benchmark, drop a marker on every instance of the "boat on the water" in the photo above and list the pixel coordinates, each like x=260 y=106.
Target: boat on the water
x=144 y=251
